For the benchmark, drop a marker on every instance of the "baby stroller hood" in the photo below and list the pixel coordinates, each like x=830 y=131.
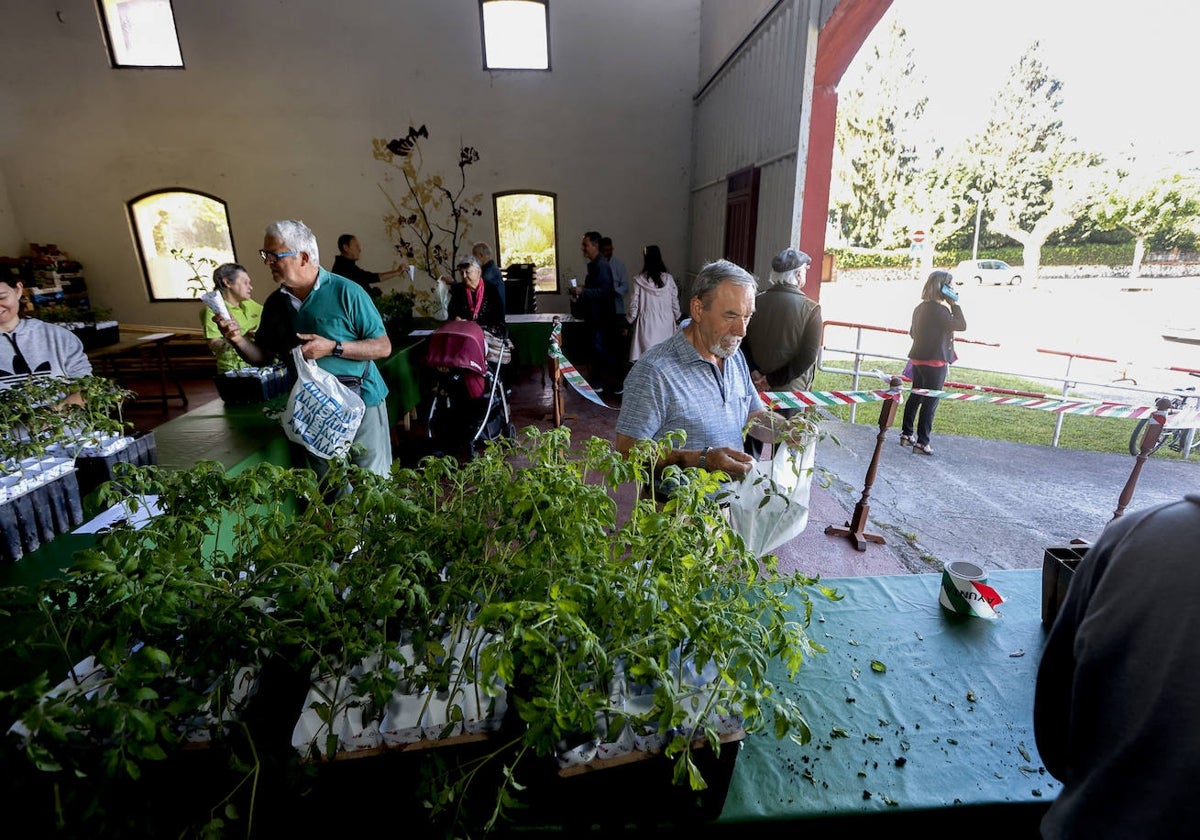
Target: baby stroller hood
x=460 y=345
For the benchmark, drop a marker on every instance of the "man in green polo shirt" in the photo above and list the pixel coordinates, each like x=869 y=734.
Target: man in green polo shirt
x=333 y=320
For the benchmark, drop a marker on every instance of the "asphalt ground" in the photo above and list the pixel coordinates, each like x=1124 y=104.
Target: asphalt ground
x=996 y=503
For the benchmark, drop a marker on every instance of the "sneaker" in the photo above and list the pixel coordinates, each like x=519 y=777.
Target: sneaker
x=923 y=448
x=906 y=440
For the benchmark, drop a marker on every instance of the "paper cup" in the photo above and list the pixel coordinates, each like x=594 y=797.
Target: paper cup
x=572 y=282
x=964 y=590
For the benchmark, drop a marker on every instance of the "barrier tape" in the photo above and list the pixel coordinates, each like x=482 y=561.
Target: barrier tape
x=568 y=370
x=1178 y=419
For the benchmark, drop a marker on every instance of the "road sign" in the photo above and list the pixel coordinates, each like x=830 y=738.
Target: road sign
x=918 y=236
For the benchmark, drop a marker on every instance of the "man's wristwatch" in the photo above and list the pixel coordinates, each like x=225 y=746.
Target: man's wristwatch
x=338 y=350
x=704 y=457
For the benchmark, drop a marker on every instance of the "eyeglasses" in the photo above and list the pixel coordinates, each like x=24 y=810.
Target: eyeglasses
x=270 y=257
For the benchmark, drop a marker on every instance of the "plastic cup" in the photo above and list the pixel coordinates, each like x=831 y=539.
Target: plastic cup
x=573 y=282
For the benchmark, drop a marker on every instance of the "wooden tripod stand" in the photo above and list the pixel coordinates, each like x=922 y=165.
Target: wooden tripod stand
x=856 y=528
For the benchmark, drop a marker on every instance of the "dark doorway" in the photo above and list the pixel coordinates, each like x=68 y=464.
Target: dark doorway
x=741 y=217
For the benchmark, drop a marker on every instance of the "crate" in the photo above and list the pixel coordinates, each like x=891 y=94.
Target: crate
x=1058 y=568
x=249 y=389
x=95 y=335
x=37 y=517
x=94 y=470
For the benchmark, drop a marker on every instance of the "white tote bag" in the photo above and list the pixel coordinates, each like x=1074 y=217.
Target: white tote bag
x=769 y=506
x=322 y=414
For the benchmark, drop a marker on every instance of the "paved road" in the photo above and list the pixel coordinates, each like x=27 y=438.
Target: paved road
x=993 y=502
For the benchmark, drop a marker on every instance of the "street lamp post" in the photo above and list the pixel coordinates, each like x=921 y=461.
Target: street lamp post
x=977 y=196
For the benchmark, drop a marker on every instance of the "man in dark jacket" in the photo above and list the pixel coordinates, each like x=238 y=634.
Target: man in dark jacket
x=345 y=264
x=1117 y=708
x=599 y=301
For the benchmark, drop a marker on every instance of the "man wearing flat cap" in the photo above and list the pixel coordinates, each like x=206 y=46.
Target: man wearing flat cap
x=784 y=337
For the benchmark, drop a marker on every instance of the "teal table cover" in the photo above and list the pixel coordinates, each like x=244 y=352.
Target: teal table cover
x=948 y=724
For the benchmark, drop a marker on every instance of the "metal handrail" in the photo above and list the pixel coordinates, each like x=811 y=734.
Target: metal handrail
x=858 y=352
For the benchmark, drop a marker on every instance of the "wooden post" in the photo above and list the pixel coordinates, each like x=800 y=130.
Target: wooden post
x=856 y=528
x=556 y=384
x=1153 y=431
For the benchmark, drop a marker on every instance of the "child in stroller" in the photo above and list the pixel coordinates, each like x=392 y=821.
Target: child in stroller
x=468 y=405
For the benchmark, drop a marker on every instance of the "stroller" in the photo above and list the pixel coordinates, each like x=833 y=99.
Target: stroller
x=468 y=405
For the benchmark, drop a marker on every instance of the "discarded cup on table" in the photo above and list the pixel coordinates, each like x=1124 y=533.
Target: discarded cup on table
x=964 y=590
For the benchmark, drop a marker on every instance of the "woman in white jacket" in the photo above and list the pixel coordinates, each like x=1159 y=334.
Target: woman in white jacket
x=653 y=306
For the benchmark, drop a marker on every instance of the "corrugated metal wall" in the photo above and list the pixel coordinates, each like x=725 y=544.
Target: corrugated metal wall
x=749 y=114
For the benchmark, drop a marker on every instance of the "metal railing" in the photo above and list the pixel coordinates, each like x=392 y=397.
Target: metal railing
x=1065 y=383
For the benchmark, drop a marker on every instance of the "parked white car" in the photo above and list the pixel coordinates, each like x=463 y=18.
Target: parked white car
x=987 y=271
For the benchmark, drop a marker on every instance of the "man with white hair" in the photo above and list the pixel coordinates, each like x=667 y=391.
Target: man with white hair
x=335 y=322
x=697 y=381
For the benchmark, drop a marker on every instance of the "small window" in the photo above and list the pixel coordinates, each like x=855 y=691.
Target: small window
x=526 y=227
x=516 y=34
x=141 y=33
x=181 y=237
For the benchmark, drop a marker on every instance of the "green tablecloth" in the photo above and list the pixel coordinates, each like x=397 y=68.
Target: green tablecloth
x=949 y=724
x=402 y=373
x=530 y=336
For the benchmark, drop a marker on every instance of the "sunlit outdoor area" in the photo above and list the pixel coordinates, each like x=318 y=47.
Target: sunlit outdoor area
x=525 y=226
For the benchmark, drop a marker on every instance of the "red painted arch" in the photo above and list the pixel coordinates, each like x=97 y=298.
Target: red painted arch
x=837 y=44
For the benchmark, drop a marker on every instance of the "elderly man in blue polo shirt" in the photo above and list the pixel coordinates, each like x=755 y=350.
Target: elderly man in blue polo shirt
x=697 y=381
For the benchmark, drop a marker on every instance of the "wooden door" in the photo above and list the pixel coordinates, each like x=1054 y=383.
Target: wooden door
x=741 y=217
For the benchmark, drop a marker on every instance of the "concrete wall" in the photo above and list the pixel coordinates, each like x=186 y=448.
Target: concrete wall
x=278 y=105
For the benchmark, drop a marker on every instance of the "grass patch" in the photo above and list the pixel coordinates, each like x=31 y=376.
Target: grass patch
x=999 y=422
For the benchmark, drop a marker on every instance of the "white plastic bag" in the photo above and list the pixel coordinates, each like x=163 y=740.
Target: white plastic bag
x=769 y=506
x=322 y=414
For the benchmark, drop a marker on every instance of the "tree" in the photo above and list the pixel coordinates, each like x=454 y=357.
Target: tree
x=1035 y=178
x=875 y=156
x=1161 y=207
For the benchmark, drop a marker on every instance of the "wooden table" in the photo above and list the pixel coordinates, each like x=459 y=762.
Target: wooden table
x=146 y=353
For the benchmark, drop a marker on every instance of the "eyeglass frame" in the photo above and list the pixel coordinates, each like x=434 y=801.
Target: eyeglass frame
x=269 y=257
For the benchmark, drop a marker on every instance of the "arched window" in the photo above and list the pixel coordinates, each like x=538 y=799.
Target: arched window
x=516 y=34
x=181 y=237
x=526 y=232
x=140 y=33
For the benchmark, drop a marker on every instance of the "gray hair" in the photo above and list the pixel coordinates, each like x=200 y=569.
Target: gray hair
x=482 y=250
x=715 y=273
x=226 y=272
x=467 y=259
x=296 y=236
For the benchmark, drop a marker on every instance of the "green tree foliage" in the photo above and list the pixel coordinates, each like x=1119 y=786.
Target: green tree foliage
x=875 y=155
x=1035 y=177
x=1163 y=208
x=526 y=225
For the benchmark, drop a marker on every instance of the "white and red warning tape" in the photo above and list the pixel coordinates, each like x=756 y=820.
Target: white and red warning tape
x=568 y=370
x=1179 y=419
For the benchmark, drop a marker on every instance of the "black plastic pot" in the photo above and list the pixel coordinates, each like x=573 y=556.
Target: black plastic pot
x=93 y=470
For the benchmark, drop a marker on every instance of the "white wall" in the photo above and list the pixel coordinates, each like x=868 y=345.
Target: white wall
x=11 y=241
x=277 y=108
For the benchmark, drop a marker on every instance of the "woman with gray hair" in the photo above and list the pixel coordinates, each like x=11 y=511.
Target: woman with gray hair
x=935 y=320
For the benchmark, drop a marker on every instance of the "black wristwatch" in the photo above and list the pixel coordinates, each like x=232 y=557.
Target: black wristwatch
x=337 y=350
x=704 y=457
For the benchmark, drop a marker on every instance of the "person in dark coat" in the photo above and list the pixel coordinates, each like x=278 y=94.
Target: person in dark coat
x=934 y=322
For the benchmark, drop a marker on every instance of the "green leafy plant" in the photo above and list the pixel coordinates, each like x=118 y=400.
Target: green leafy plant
x=57 y=313
x=34 y=415
x=201 y=268
x=509 y=575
